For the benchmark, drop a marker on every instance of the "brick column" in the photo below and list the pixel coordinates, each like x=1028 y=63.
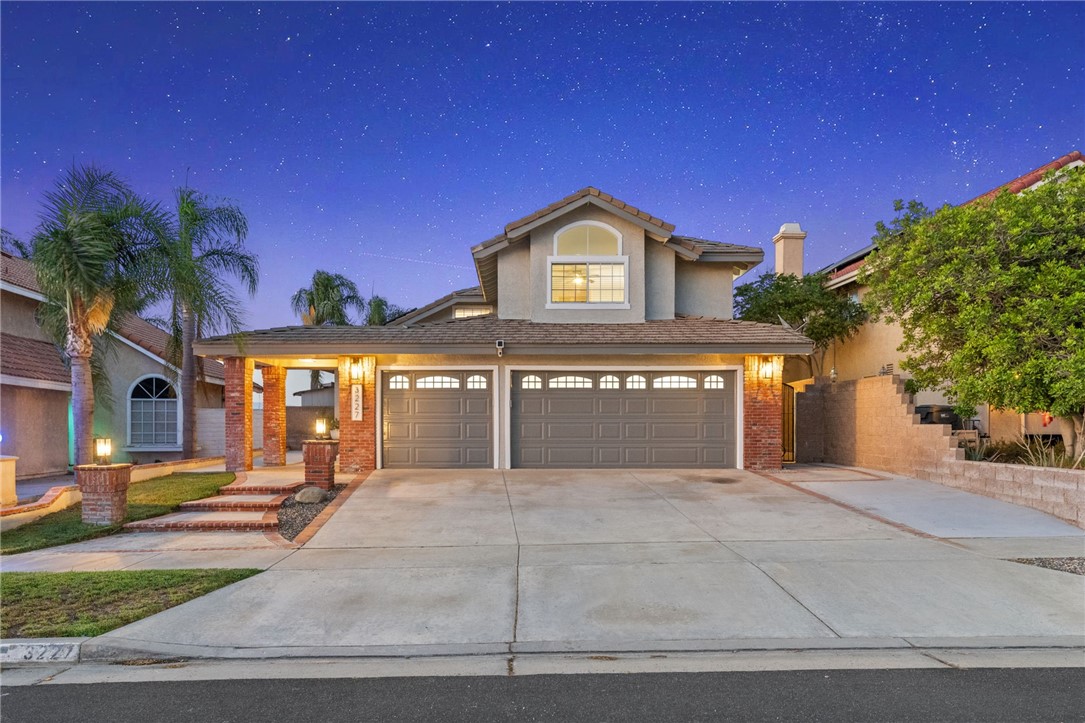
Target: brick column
x=319 y=457
x=238 y=413
x=762 y=413
x=274 y=383
x=105 y=492
x=358 y=439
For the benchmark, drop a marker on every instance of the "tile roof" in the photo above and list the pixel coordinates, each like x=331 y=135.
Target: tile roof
x=139 y=331
x=702 y=334
x=31 y=359
x=589 y=191
x=472 y=293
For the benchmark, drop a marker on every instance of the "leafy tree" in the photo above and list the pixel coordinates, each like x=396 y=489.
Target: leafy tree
x=202 y=244
x=379 y=311
x=991 y=298
x=805 y=304
x=326 y=301
x=90 y=254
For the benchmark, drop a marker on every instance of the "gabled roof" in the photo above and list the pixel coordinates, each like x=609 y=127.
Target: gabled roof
x=140 y=332
x=854 y=261
x=477 y=335
x=589 y=193
x=31 y=359
x=469 y=295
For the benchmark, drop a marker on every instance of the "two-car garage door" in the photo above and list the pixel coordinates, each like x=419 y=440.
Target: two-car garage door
x=572 y=419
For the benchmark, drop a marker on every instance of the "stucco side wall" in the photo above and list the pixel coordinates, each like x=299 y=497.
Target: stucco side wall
x=34 y=423
x=659 y=262
x=514 y=282
x=17 y=317
x=542 y=247
x=703 y=289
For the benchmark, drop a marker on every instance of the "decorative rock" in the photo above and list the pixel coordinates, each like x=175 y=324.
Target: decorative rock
x=309 y=495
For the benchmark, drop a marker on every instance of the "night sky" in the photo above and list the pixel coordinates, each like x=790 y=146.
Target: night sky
x=381 y=141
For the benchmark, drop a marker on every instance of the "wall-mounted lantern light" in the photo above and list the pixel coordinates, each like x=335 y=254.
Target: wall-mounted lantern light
x=103 y=449
x=321 y=428
x=766 y=367
x=356 y=371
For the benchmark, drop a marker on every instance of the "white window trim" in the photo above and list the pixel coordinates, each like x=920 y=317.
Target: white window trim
x=740 y=421
x=128 y=419
x=597 y=224
x=551 y=260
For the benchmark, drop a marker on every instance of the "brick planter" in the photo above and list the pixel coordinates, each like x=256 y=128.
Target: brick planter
x=320 y=457
x=104 y=488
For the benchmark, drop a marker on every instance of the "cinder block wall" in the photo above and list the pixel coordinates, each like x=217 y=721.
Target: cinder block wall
x=871 y=423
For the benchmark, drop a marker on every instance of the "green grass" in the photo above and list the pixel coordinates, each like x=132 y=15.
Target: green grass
x=76 y=604
x=151 y=498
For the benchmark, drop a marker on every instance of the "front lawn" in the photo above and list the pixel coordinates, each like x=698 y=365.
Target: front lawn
x=77 y=604
x=151 y=498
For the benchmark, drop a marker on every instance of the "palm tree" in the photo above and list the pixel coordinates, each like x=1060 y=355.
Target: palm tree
x=203 y=243
x=380 y=311
x=90 y=256
x=326 y=302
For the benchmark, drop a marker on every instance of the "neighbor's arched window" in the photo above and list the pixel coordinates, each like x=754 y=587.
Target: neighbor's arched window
x=587 y=266
x=152 y=407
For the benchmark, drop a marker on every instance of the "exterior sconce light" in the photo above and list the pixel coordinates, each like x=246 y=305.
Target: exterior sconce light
x=321 y=428
x=832 y=375
x=356 y=372
x=766 y=368
x=103 y=449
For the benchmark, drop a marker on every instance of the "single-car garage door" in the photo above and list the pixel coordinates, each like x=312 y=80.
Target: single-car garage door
x=437 y=418
x=624 y=419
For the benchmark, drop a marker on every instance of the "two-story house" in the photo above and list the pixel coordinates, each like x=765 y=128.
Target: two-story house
x=597 y=337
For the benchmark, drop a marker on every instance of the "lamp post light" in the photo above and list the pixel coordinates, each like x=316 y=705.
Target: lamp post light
x=103 y=450
x=321 y=428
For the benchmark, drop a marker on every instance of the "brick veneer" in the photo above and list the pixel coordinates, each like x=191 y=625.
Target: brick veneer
x=274 y=383
x=358 y=440
x=762 y=414
x=319 y=458
x=238 y=413
x=105 y=492
x=872 y=423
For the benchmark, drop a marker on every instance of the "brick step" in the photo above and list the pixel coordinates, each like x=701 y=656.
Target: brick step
x=288 y=488
x=226 y=503
x=234 y=520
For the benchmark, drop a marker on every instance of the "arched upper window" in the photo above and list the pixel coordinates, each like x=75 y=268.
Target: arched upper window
x=587 y=238
x=399 y=381
x=152 y=406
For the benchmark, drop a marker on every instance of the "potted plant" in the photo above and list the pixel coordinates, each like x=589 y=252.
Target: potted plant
x=333 y=429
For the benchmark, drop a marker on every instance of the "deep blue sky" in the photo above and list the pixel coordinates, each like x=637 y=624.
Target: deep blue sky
x=382 y=141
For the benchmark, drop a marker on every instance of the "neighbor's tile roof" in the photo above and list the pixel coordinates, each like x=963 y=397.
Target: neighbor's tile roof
x=589 y=191
x=31 y=359
x=713 y=335
x=139 y=331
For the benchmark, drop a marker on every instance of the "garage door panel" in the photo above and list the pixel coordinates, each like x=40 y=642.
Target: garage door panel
x=446 y=427
x=624 y=427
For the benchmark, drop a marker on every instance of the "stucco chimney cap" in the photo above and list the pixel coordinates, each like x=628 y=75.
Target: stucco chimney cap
x=791 y=228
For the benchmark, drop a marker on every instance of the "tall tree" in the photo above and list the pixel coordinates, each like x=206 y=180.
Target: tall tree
x=805 y=304
x=991 y=299
x=326 y=301
x=379 y=311
x=203 y=245
x=90 y=254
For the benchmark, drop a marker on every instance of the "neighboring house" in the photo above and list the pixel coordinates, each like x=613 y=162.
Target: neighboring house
x=35 y=386
x=597 y=337
x=874 y=350
x=322 y=396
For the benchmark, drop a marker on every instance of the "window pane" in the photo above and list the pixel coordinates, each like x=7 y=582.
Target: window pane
x=635 y=382
x=674 y=382
x=568 y=283
x=531 y=382
x=437 y=382
x=601 y=242
x=573 y=242
x=587 y=240
x=714 y=381
x=609 y=381
x=467 y=312
x=476 y=381
x=606 y=283
x=569 y=382
x=399 y=381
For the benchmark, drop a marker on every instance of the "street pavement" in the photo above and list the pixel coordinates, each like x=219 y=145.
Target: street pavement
x=457 y=562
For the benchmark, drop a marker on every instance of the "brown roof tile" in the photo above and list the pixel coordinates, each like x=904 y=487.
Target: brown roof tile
x=31 y=359
x=589 y=191
x=705 y=334
x=1032 y=177
x=18 y=272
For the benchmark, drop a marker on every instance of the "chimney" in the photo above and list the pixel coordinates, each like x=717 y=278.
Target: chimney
x=788 y=243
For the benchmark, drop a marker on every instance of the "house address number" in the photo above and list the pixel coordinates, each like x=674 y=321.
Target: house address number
x=356 y=411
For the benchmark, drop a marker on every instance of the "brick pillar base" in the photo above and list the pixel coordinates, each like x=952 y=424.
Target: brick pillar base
x=320 y=457
x=105 y=492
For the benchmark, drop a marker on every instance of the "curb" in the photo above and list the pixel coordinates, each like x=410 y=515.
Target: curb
x=40 y=650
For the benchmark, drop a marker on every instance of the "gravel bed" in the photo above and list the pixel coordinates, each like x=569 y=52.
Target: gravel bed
x=1075 y=565
x=295 y=517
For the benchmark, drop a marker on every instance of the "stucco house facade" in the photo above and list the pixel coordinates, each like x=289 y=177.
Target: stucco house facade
x=874 y=349
x=35 y=386
x=597 y=337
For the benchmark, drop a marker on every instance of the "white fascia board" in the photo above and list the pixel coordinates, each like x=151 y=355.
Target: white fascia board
x=14 y=381
x=20 y=291
x=160 y=360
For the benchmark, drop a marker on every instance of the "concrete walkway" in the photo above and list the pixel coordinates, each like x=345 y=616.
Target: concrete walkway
x=476 y=562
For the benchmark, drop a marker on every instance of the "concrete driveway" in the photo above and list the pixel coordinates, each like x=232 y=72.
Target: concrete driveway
x=443 y=562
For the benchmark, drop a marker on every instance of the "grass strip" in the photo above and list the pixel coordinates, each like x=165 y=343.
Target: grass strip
x=76 y=604
x=151 y=498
